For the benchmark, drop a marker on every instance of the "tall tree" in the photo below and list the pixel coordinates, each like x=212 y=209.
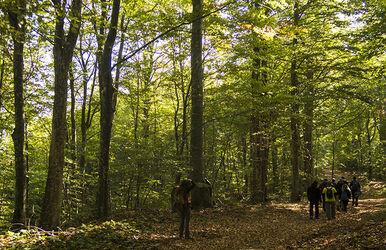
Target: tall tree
x=16 y=15
x=308 y=129
x=254 y=130
x=182 y=93
x=295 y=140
x=259 y=125
x=106 y=90
x=88 y=111
x=200 y=195
x=64 y=46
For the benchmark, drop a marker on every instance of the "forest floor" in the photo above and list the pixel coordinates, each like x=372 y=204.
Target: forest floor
x=269 y=226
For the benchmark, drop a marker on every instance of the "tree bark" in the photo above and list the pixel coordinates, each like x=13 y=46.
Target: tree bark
x=382 y=129
x=72 y=166
x=200 y=194
x=1 y=81
x=17 y=20
x=308 y=130
x=258 y=136
x=118 y=68
x=106 y=90
x=274 y=155
x=72 y=118
x=369 y=136
x=295 y=141
x=254 y=158
x=63 y=50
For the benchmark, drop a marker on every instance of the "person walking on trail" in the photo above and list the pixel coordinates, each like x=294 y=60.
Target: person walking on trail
x=329 y=197
x=321 y=187
x=345 y=196
x=180 y=199
x=355 y=190
x=338 y=188
x=313 y=195
x=333 y=183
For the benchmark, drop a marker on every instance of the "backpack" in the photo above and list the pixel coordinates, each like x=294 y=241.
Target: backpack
x=329 y=193
x=180 y=199
x=177 y=199
x=344 y=196
x=355 y=186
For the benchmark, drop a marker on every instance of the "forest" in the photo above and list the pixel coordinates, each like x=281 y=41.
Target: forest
x=107 y=105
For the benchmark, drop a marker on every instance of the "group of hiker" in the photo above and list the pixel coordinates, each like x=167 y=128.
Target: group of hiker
x=333 y=195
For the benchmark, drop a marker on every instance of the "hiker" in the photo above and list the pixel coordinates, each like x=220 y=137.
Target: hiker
x=333 y=183
x=345 y=196
x=338 y=188
x=313 y=195
x=180 y=199
x=321 y=187
x=355 y=190
x=329 y=197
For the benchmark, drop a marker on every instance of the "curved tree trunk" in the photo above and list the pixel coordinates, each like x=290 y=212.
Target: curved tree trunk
x=107 y=113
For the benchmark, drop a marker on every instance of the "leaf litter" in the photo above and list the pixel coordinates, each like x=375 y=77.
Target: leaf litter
x=273 y=225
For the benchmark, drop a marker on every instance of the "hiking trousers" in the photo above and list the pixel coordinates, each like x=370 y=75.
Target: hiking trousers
x=355 y=200
x=330 y=209
x=344 y=205
x=316 y=204
x=184 y=222
x=337 y=204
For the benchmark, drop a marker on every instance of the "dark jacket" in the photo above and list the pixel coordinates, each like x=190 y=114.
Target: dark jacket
x=345 y=189
x=322 y=186
x=313 y=193
x=339 y=186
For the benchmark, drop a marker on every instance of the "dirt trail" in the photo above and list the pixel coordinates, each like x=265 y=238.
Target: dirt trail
x=277 y=226
x=270 y=226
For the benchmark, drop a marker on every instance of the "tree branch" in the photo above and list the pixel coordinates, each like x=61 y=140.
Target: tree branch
x=167 y=32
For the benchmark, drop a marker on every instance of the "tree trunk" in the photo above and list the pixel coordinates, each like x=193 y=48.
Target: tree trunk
x=254 y=158
x=295 y=141
x=382 y=130
x=106 y=90
x=274 y=155
x=263 y=142
x=1 y=81
x=201 y=197
x=180 y=137
x=72 y=118
x=333 y=158
x=63 y=50
x=119 y=66
x=27 y=171
x=308 y=130
x=259 y=138
x=17 y=21
x=370 y=137
x=71 y=194
x=264 y=154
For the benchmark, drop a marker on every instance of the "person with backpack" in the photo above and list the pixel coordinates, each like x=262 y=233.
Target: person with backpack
x=355 y=190
x=333 y=183
x=180 y=199
x=321 y=187
x=345 y=196
x=313 y=195
x=329 y=197
x=338 y=188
